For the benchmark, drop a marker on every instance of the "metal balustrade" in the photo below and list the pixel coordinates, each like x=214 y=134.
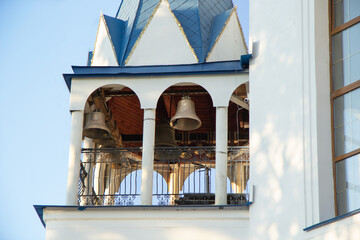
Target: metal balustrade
x=182 y=176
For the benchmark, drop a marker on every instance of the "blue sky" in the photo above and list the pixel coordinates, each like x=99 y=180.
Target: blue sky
x=39 y=41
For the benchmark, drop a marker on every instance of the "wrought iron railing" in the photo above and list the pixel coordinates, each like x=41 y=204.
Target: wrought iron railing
x=182 y=176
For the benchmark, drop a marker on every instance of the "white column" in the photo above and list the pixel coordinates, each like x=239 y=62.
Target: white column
x=99 y=178
x=88 y=161
x=74 y=157
x=221 y=155
x=148 y=156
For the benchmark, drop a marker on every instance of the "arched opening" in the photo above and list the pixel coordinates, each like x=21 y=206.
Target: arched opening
x=111 y=151
x=184 y=139
x=238 y=145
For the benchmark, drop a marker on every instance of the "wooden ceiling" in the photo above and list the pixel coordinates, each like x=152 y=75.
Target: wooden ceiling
x=125 y=108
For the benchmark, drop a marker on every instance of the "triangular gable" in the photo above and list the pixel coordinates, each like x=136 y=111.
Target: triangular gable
x=104 y=52
x=227 y=40
x=162 y=42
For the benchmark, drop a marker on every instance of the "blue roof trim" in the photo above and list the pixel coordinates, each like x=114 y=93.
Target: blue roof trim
x=90 y=56
x=245 y=60
x=188 y=69
x=217 y=27
x=40 y=212
x=204 y=67
x=116 y=29
x=331 y=220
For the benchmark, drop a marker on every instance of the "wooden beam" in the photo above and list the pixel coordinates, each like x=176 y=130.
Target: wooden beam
x=100 y=103
x=238 y=101
x=170 y=105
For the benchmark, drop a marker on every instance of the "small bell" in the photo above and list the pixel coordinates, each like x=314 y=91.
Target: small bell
x=95 y=126
x=185 y=118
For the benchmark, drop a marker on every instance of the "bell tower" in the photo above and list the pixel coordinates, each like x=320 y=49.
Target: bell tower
x=159 y=119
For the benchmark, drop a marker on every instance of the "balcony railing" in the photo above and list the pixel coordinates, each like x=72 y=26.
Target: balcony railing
x=182 y=176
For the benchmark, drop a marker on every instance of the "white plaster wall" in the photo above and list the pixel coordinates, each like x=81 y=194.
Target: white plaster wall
x=157 y=224
x=104 y=53
x=231 y=44
x=289 y=136
x=150 y=88
x=162 y=43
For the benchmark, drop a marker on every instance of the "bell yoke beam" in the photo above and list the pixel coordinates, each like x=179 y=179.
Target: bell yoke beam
x=100 y=103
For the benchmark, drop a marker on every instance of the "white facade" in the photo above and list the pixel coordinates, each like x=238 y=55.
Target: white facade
x=146 y=223
x=291 y=166
x=291 y=171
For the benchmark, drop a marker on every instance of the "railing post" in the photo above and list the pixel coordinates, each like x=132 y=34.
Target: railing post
x=148 y=156
x=77 y=118
x=221 y=155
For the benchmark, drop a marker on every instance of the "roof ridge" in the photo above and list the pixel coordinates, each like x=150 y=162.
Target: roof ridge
x=201 y=58
x=117 y=13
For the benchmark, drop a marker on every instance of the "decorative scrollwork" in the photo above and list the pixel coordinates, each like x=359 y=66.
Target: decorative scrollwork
x=238 y=199
x=127 y=200
x=163 y=200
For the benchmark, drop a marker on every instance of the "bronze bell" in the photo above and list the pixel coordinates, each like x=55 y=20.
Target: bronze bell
x=95 y=126
x=165 y=135
x=185 y=118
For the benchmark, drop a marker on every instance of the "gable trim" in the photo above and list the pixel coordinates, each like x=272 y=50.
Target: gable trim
x=242 y=33
x=96 y=40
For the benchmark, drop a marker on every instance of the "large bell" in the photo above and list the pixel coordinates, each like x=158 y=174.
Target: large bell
x=165 y=135
x=95 y=126
x=185 y=118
